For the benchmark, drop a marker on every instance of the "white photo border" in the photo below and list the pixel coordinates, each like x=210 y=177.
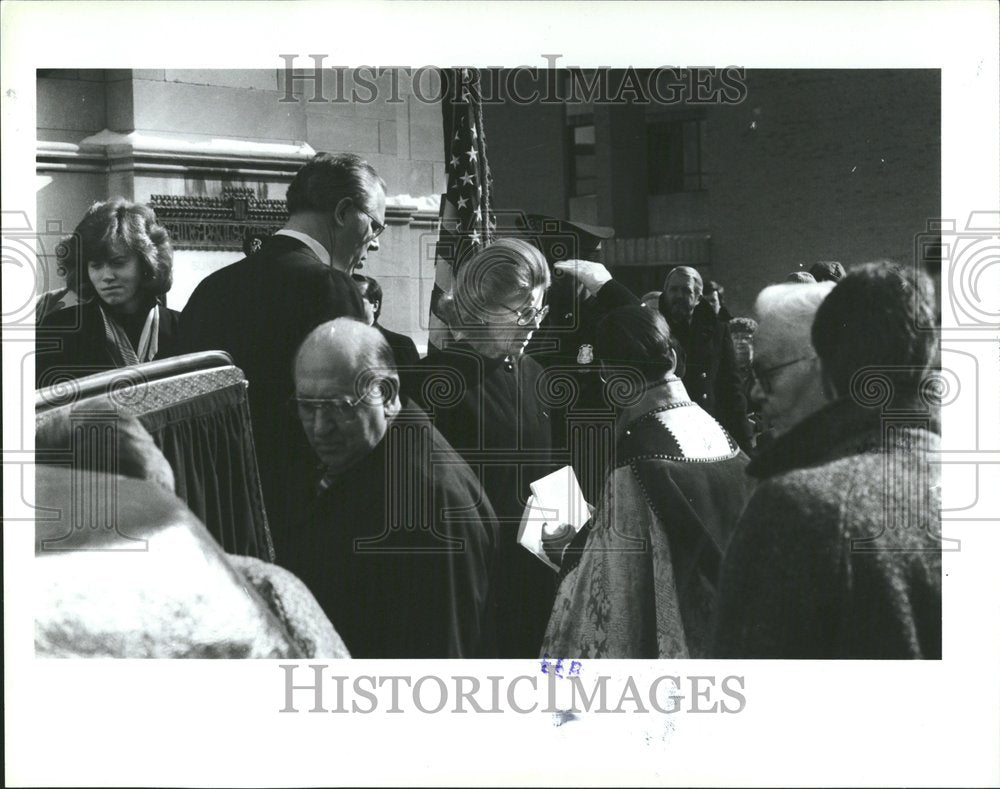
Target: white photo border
x=218 y=723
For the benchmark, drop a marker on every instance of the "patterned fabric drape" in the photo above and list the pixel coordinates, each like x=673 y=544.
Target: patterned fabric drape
x=208 y=444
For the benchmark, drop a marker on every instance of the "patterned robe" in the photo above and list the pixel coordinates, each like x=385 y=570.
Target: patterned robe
x=643 y=584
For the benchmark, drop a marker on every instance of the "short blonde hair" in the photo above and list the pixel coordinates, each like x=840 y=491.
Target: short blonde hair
x=507 y=269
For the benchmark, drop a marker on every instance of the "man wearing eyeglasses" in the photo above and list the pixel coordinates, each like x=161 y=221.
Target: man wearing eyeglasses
x=838 y=552
x=787 y=383
x=260 y=308
x=397 y=544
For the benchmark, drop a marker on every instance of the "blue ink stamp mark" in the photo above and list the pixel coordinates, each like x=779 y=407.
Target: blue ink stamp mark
x=557 y=668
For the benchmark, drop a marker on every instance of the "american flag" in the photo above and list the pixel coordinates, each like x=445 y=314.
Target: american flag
x=465 y=222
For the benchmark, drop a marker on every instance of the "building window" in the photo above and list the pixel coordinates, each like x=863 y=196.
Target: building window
x=583 y=157
x=674 y=156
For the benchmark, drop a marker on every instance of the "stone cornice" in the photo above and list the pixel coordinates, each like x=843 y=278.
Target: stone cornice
x=68 y=157
x=403 y=213
x=109 y=151
x=185 y=155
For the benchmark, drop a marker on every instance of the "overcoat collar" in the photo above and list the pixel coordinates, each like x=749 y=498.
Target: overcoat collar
x=837 y=430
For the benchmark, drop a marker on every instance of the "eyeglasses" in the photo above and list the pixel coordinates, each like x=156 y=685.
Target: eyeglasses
x=332 y=408
x=526 y=316
x=376 y=226
x=764 y=375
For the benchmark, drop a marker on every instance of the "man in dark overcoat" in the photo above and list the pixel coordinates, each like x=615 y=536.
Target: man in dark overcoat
x=259 y=309
x=838 y=553
x=706 y=356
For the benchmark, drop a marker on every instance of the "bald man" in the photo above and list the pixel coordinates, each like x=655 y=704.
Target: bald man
x=705 y=352
x=396 y=546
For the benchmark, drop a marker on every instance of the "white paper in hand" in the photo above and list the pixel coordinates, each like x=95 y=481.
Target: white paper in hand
x=560 y=497
x=530 y=533
x=556 y=499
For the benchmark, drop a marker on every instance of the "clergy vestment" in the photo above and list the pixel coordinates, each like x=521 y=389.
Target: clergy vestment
x=644 y=584
x=706 y=360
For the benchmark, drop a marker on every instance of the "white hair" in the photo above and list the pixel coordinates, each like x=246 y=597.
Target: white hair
x=785 y=313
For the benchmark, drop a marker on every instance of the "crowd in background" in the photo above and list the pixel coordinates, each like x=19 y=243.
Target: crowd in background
x=743 y=499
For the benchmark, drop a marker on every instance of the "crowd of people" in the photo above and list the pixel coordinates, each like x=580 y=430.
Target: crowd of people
x=747 y=500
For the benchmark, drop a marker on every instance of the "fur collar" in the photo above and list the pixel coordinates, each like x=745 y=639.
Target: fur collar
x=838 y=430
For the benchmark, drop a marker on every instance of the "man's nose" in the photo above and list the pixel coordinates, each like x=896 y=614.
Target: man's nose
x=317 y=422
x=325 y=423
x=757 y=393
x=373 y=245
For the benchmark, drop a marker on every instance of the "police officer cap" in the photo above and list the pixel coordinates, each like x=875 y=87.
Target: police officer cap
x=562 y=239
x=827 y=271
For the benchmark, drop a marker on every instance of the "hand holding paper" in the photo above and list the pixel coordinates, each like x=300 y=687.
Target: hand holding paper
x=554 y=515
x=555 y=538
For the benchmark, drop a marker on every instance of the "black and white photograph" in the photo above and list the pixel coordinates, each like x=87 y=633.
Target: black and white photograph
x=376 y=414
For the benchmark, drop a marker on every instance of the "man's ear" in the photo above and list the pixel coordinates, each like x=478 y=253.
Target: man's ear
x=340 y=212
x=672 y=356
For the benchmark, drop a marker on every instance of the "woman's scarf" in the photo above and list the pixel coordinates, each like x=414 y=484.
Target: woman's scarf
x=119 y=345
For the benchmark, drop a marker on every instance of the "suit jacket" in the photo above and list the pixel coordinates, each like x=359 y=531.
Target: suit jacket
x=708 y=358
x=259 y=310
x=70 y=342
x=403 y=348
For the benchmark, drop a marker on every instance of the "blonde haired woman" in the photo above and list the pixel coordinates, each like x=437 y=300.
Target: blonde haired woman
x=480 y=391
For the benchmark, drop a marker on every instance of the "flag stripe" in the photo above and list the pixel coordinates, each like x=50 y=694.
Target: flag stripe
x=465 y=223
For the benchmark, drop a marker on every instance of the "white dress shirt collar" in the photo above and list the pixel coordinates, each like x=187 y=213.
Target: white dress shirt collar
x=317 y=248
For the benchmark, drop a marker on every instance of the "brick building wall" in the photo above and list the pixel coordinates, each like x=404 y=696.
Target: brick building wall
x=812 y=165
x=838 y=165
x=527 y=147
